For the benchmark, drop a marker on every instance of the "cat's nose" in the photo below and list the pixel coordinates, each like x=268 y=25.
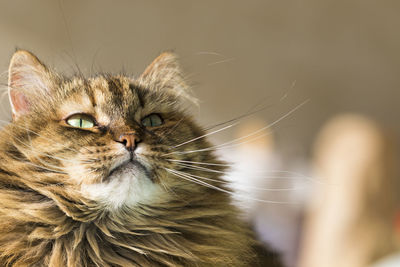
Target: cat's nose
x=130 y=140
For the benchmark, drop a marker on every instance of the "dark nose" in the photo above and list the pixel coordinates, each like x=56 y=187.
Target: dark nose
x=130 y=140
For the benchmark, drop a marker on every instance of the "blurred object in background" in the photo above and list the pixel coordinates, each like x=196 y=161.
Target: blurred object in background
x=390 y=261
x=271 y=196
x=350 y=221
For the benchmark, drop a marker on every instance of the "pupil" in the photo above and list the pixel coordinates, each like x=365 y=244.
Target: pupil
x=80 y=122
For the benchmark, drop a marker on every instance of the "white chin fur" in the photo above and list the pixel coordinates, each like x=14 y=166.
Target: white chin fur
x=128 y=185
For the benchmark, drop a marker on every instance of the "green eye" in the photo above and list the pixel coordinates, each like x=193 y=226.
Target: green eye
x=81 y=121
x=152 y=120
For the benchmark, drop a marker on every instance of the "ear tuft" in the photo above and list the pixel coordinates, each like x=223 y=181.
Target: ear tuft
x=25 y=76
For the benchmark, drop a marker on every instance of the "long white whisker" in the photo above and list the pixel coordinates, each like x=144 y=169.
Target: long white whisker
x=290 y=174
x=171 y=130
x=234 y=144
x=221 y=61
x=187 y=163
x=243 y=185
x=200 y=163
x=294 y=175
x=222 y=146
x=204 y=135
x=246 y=136
x=198 y=168
x=237 y=119
x=197 y=181
x=273 y=123
x=209 y=53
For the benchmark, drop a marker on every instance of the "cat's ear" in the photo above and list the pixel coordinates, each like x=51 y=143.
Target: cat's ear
x=164 y=73
x=26 y=78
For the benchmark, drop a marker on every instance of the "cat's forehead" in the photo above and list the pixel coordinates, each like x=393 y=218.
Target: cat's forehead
x=106 y=97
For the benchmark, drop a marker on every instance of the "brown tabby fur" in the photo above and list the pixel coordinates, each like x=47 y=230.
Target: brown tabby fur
x=46 y=219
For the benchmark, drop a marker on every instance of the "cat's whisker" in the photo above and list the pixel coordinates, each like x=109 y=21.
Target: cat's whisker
x=39 y=135
x=197 y=181
x=244 y=186
x=209 y=53
x=166 y=187
x=204 y=135
x=274 y=122
x=236 y=119
x=198 y=168
x=240 y=138
x=273 y=176
x=201 y=163
x=222 y=61
x=288 y=175
x=45 y=163
x=43 y=153
x=234 y=144
x=44 y=167
x=48 y=166
x=51 y=166
x=31 y=131
x=171 y=130
x=30 y=147
x=227 y=145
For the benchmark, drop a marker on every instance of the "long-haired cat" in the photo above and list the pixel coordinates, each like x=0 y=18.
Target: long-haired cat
x=109 y=171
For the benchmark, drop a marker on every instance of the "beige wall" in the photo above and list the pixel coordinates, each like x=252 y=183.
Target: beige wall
x=342 y=55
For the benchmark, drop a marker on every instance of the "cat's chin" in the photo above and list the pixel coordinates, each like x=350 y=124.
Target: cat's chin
x=126 y=185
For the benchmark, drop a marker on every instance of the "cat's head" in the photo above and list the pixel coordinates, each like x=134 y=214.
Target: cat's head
x=115 y=139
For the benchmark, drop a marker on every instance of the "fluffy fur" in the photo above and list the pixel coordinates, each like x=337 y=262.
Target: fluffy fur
x=76 y=197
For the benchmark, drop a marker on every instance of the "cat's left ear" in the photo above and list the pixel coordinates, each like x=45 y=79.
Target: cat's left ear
x=26 y=80
x=164 y=73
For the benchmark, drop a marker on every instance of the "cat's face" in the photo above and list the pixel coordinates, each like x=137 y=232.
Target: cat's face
x=112 y=138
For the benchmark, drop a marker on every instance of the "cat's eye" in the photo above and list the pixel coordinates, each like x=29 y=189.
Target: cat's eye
x=81 y=121
x=152 y=120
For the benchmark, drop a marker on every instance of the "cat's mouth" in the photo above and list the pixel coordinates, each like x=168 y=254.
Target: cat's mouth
x=131 y=167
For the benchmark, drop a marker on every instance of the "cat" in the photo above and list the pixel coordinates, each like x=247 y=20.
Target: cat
x=110 y=171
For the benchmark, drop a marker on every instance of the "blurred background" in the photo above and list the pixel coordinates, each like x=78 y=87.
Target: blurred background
x=341 y=56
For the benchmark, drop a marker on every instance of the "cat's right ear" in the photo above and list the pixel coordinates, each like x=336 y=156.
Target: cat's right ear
x=26 y=79
x=165 y=74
